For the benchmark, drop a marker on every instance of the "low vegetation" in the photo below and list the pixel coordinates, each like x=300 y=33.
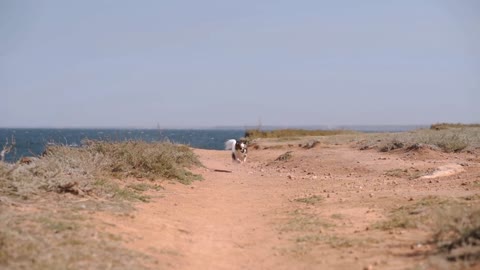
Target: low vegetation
x=454 y=225
x=440 y=126
x=80 y=170
x=448 y=140
x=58 y=239
x=44 y=205
x=285 y=156
x=311 y=200
x=282 y=133
x=408 y=173
x=299 y=221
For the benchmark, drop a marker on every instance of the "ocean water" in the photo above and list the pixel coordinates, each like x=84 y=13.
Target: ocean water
x=32 y=141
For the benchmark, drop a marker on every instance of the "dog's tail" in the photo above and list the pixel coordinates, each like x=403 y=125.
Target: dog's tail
x=230 y=144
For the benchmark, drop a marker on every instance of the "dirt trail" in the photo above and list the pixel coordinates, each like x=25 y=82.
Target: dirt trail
x=314 y=211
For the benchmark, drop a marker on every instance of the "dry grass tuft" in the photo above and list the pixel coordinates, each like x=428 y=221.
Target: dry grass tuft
x=391 y=145
x=457 y=233
x=453 y=223
x=447 y=140
x=408 y=173
x=77 y=170
x=60 y=240
x=311 y=144
x=301 y=222
x=312 y=200
x=147 y=160
x=413 y=215
x=285 y=156
x=440 y=126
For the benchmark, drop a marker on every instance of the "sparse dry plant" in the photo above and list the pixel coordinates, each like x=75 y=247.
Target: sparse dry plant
x=59 y=239
x=55 y=233
x=457 y=232
x=75 y=170
x=447 y=140
x=311 y=200
x=454 y=225
x=280 y=133
x=285 y=156
x=7 y=147
x=439 y=126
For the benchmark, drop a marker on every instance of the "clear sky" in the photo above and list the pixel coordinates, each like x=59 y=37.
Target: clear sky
x=211 y=63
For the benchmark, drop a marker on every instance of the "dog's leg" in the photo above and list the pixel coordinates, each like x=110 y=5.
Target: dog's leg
x=234 y=158
x=244 y=157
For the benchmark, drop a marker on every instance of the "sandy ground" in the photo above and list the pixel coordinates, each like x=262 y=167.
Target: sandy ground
x=316 y=210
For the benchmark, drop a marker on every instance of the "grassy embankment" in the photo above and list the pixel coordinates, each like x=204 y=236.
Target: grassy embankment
x=45 y=205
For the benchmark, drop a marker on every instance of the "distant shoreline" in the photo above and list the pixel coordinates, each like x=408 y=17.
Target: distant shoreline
x=365 y=128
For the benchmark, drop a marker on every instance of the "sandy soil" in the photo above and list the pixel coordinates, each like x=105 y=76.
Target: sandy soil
x=314 y=211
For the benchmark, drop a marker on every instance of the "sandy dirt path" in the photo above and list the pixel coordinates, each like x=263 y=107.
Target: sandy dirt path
x=313 y=211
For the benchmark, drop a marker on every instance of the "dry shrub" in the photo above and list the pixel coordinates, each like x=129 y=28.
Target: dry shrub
x=452 y=143
x=457 y=232
x=314 y=199
x=311 y=144
x=440 y=126
x=147 y=160
x=392 y=145
x=279 y=133
x=285 y=156
x=447 y=140
x=76 y=170
x=453 y=223
x=408 y=173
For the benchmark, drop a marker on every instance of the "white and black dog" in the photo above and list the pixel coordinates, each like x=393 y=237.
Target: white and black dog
x=240 y=146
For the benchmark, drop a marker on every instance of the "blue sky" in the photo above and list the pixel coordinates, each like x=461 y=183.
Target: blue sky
x=212 y=63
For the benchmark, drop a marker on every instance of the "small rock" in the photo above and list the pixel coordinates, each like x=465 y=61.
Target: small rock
x=368 y=267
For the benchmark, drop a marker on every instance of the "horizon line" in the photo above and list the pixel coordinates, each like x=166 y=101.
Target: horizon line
x=328 y=126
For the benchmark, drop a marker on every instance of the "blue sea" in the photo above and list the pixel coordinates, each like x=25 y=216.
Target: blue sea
x=32 y=141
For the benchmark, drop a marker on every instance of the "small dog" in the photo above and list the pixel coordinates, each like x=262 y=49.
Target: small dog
x=240 y=146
